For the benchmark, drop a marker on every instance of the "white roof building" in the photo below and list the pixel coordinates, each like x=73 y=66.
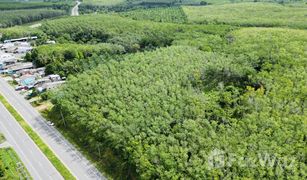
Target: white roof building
x=23 y=50
x=7 y=45
x=52 y=85
x=20 y=66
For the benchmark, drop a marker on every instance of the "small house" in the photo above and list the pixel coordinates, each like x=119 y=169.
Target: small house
x=54 y=77
x=20 y=66
x=22 y=50
x=26 y=80
x=52 y=85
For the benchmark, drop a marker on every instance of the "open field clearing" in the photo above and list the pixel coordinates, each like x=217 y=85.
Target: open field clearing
x=249 y=14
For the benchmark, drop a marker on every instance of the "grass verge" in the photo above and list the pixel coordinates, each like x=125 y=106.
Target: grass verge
x=103 y=163
x=38 y=141
x=11 y=166
x=2 y=138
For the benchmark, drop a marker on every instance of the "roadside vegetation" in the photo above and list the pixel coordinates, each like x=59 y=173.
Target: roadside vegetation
x=2 y=138
x=38 y=141
x=10 y=165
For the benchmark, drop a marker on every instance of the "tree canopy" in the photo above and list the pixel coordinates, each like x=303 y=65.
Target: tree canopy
x=165 y=112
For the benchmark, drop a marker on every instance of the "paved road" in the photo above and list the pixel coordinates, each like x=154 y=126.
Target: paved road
x=75 y=9
x=34 y=160
x=80 y=167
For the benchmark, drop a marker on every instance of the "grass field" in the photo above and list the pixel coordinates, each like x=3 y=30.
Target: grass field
x=11 y=166
x=38 y=141
x=249 y=14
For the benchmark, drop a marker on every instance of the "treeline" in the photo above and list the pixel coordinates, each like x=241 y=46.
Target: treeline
x=35 y=5
x=133 y=35
x=125 y=35
x=20 y=31
x=129 y=5
x=65 y=59
x=165 y=113
x=135 y=4
x=18 y=17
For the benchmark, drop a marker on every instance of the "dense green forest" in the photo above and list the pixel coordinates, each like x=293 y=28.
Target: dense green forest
x=89 y=6
x=164 y=111
x=131 y=34
x=21 y=12
x=34 y=5
x=170 y=14
x=124 y=5
x=17 y=17
x=181 y=89
x=20 y=31
x=67 y=59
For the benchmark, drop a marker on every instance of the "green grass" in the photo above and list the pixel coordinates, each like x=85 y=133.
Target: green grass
x=9 y=168
x=102 y=163
x=250 y=14
x=38 y=141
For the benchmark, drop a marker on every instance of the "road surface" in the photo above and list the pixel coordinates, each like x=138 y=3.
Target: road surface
x=75 y=9
x=34 y=160
x=78 y=165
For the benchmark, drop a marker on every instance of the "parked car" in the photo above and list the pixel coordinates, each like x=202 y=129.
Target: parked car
x=19 y=88
x=50 y=123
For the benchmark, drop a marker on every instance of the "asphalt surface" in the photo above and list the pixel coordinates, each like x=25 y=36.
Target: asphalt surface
x=75 y=9
x=34 y=160
x=78 y=165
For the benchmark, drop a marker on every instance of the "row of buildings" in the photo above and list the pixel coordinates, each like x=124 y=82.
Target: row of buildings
x=25 y=74
x=16 y=47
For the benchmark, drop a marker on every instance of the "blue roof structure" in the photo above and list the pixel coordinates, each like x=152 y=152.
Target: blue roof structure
x=28 y=81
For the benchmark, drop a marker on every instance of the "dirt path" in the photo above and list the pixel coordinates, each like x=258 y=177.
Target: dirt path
x=75 y=9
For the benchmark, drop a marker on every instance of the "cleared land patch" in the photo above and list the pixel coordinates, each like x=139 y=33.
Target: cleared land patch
x=249 y=14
